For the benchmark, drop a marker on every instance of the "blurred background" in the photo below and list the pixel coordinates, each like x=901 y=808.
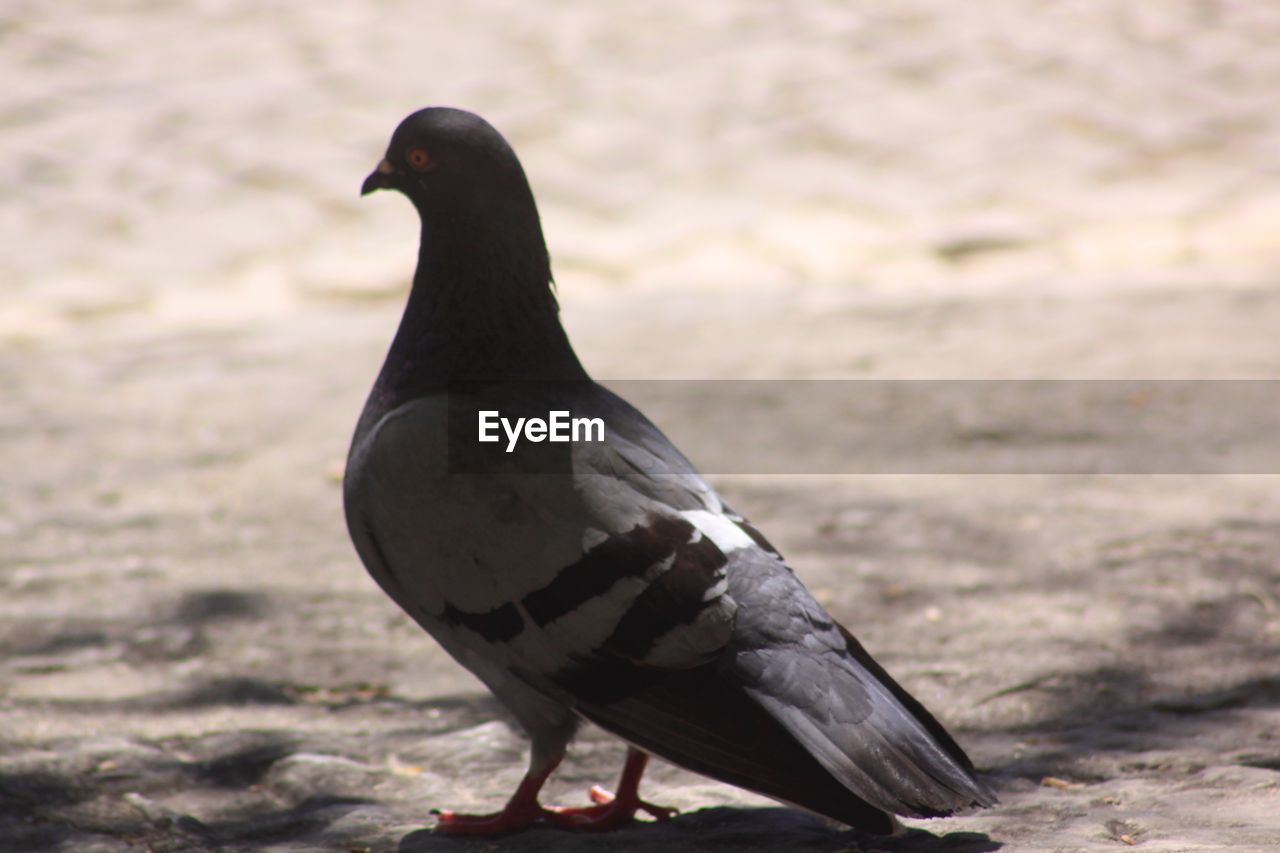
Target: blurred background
x=194 y=302
x=195 y=161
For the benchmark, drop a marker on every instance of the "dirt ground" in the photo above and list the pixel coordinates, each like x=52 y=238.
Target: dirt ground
x=194 y=304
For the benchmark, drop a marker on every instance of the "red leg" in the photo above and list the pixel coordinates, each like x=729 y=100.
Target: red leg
x=612 y=810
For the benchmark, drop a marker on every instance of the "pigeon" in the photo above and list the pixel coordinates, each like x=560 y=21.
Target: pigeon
x=598 y=580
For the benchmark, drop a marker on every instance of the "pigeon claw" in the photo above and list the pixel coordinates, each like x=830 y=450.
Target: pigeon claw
x=523 y=810
x=510 y=819
x=609 y=812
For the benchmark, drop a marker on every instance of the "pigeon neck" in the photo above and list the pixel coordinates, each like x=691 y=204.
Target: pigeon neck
x=481 y=309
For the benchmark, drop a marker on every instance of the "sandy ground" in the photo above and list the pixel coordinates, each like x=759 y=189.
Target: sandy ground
x=194 y=304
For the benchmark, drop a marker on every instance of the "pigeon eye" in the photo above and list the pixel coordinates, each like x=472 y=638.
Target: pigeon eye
x=418 y=158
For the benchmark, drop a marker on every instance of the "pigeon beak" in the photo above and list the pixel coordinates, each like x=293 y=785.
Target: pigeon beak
x=379 y=178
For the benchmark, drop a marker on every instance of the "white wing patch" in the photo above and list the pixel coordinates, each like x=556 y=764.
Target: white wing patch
x=721 y=530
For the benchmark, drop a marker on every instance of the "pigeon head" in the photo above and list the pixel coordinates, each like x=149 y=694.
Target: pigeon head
x=449 y=161
x=482 y=303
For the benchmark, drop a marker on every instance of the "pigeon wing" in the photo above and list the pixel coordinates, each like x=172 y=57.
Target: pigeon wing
x=793 y=707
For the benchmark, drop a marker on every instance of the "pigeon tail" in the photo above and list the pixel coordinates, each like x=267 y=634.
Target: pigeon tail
x=870 y=734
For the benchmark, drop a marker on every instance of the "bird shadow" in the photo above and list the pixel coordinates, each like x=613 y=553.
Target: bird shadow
x=723 y=828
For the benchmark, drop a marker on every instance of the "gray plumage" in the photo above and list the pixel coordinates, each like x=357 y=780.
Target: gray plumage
x=606 y=580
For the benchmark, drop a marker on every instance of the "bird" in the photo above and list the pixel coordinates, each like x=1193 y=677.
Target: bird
x=600 y=581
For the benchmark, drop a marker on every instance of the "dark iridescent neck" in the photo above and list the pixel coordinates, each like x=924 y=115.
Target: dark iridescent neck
x=483 y=305
x=481 y=309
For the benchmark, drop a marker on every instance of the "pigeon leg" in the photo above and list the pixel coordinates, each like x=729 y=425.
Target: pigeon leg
x=521 y=811
x=612 y=810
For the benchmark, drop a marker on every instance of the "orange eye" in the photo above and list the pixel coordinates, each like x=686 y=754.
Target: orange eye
x=418 y=159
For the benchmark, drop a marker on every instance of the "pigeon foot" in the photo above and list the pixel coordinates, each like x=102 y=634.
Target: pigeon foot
x=510 y=819
x=609 y=812
x=523 y=810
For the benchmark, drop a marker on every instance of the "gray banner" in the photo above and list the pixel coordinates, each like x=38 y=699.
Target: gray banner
x=968 y=427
